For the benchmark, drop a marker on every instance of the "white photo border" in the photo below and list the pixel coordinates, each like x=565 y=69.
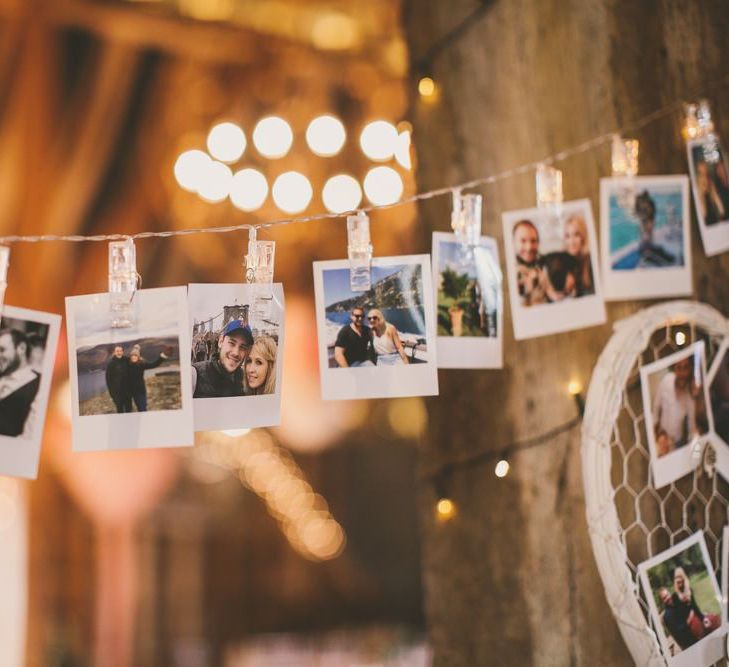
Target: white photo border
x=720 y=446
x=656 y=282
x=567 y=315
x=469 y=351
x=133 y=430
x=383 y=382
x=19 y=456
x=676 y=464
x=710 y=648
x=238 y=412
x=715 y=238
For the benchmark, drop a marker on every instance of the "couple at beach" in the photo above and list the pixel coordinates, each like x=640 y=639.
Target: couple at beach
x=239 y=366
x=125 y=377
x=375 y=343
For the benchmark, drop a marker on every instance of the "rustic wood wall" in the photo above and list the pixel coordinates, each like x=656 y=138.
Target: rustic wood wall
x=513 y=575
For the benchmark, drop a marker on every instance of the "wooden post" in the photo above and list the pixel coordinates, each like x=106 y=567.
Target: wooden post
x=511 y=578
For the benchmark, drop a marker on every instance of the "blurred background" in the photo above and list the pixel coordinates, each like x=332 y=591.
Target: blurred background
x=295 y=545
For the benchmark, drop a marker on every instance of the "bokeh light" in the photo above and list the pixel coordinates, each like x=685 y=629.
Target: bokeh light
x=379 y=140
x=335 y=31
x=216 y=182
x=502 y=468
x=292 y=192
x=445 y=509
x=341 y=193
x=273 y=137
x=402 y=150
x=226 y=142
x=326 y=136
x=680 y=338
x=426 y=87
x=574 y=387
x=190 y=169
x=383 y=185
x=248 y=189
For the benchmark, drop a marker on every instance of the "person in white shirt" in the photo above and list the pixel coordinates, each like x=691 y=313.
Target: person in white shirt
x=674 y=408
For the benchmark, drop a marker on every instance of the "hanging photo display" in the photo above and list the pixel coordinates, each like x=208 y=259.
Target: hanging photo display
x=130 y=387
x=468 y=299
x=377 y=343
x=677 y=411
x=718 y=381
x=709 y=171
x=237 y=352
x=554 y=285
x=28 y=341
x=685 y=603
x=646 y=241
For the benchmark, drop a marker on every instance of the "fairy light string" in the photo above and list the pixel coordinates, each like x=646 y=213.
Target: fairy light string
x=584 y=147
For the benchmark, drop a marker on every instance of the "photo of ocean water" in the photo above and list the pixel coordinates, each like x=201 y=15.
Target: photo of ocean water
x=667 y=233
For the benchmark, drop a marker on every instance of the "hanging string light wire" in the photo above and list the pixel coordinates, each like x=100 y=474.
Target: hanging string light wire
x=584 y=147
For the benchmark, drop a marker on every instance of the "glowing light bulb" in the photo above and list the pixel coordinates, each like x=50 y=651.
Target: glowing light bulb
x=216 y=182
x=326 y=136
x=248 y=189
x=292 y=192
x=574 y=387
x=226 y=142
x=426 y=87
x=383 y=186
x=445 y=509
x=190 y=169
x=379 y=140
x=273 y=137
x=680 y=338
x=341 y=193
x=502 y=468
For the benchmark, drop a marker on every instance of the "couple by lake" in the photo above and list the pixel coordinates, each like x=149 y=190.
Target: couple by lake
x=375 y=343
x=125 y=377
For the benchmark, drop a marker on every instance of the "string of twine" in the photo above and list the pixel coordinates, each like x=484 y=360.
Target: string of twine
x=591 y=144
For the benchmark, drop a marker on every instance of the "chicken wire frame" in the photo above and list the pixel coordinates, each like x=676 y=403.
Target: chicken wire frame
x=605 y=400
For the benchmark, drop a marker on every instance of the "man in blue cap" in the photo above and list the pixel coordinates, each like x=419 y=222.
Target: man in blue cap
x=222 y=376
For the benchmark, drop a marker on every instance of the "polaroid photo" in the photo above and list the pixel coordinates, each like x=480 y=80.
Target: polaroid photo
x=237 y=335
x=646 y=240
x=28 y=342
x=554 y=285
x=724 y=570
x=685 y=603
x=379 y=343
x=130 y=387
x=718 y=380
x=710 y=185
x=677 y=411
x=469 y=303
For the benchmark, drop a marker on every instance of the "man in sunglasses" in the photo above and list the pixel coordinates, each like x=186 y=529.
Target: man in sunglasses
x=353 y=346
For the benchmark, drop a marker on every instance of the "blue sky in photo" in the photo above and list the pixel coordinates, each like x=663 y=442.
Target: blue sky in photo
x=336 y=282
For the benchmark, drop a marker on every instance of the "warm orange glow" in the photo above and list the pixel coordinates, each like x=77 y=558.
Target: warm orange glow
x=445 y=509
x=426 y=87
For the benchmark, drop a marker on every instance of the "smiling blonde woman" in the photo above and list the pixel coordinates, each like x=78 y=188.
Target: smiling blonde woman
x=259 y=376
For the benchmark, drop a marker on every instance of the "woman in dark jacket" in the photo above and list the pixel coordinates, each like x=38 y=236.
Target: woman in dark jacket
x=137 y=366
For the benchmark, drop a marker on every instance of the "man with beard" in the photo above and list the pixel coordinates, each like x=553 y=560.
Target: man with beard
x=19 y=383
x=222 y=376
x=117 y=380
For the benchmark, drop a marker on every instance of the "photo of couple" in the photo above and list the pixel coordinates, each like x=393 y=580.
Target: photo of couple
x=125 y=377
x=709 y=172
x=561 y=273
x=22 y=353
x=137 y=375
x=231 y=362
x=379 y=342
x=683 y=595
x=236 y=342
x=384 y=326
x=677 y=410
x=550 y=259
